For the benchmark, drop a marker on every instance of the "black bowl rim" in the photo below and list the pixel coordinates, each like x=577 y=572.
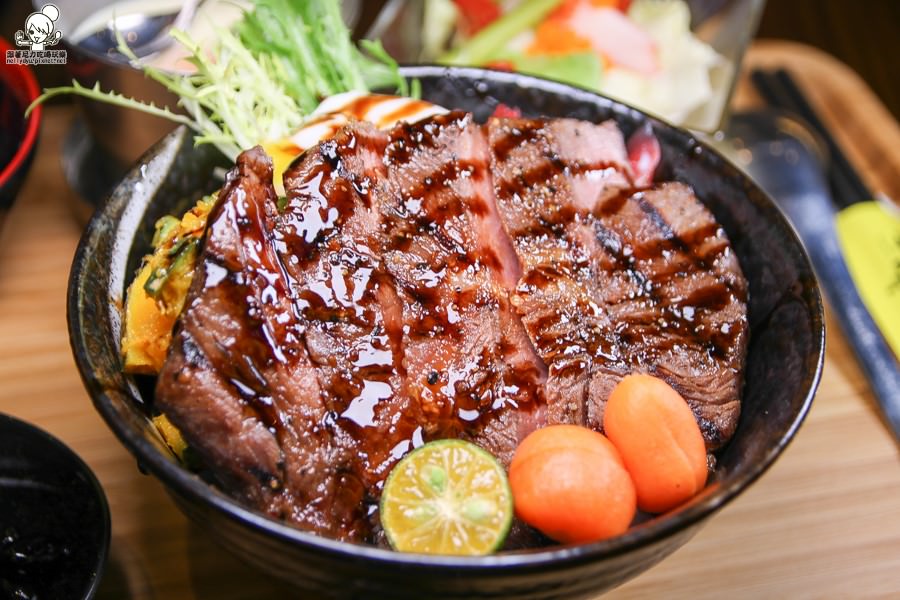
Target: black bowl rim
x=105 y=521
x=188 y=485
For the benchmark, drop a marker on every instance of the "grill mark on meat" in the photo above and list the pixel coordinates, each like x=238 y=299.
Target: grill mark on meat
x=344 y=294
x=492 y=248
x=535 y=195
x=614 y=203
x=675 y=319
x=655 y=308
x=544 y=274
x=681 y=315
x=548 y=171
x=445 y=175
x=407 y=139
x=433 y=183
x=615 y=247
x=442 y=280
x=523 y=132
x=238 y=382
x=425 y=290
x=451 y=279
x=439 y=181
x=565 y=325
x=683 y=243
x=669 y=315
x=688 y=243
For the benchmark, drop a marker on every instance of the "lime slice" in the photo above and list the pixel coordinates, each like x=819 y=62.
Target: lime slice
x=447 y=497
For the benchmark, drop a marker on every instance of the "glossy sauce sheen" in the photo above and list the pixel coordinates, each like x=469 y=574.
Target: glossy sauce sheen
x=397 y=274
x=327 y=237
x=609 y=286
x=455 y=289
x=446 y=279
x=239 y=382
x=337 y=229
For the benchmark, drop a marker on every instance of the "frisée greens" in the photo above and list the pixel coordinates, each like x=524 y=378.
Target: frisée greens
x=260 y=80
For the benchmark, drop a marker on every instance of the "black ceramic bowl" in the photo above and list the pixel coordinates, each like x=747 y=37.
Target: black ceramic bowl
x=54 y=519
x=782 y=371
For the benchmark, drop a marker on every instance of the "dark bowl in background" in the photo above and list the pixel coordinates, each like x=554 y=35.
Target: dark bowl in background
x=18 y=135
x=782 y=370
x=54 y=518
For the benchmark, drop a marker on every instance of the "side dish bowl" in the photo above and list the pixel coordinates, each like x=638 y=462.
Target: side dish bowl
x=54 y=517
x=782 y=370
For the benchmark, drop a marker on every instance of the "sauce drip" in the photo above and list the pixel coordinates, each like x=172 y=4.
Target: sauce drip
x=524 y=132
x=254 y=279
x=340 y=294
x=435 y=219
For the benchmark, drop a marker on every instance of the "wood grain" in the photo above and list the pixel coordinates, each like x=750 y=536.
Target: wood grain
x=823 y=522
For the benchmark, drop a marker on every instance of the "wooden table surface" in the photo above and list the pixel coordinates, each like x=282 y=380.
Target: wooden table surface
x=824 y=522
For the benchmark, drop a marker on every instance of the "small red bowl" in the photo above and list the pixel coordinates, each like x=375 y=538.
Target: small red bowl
x=18 y=135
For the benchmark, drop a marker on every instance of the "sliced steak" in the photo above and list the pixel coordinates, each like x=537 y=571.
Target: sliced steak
x=440 y=279
x=238 y=381
x=617 y=280
x=546 y=173
x=675 y=291
x=406 y=322
x=467 y=361
x=328 y=238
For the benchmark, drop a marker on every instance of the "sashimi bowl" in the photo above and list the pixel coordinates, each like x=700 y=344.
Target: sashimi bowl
x=782 y=368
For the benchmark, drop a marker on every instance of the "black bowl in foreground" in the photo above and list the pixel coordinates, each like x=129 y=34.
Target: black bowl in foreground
x=782 y=371
x=54 y=519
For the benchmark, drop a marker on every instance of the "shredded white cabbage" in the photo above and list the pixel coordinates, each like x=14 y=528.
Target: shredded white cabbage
x=684 y=82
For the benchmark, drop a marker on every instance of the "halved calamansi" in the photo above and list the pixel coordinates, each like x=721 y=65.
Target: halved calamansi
x=447 y=497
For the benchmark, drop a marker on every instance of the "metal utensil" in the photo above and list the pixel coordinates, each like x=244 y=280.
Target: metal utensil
x=781 y=155
x=145 y=34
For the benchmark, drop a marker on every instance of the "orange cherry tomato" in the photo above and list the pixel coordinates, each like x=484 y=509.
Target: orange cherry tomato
x=659 y=440
x=570 y=483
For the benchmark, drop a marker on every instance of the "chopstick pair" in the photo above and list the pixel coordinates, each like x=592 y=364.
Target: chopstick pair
x=780 y=90
x=855 y=257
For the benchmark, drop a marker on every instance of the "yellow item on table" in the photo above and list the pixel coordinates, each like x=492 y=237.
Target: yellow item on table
x=869 y=235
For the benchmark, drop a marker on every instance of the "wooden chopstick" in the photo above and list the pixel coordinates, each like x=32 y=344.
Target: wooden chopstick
x=780 y=90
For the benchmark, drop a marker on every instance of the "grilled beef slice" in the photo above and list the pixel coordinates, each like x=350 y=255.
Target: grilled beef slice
x=327 y=237
x=238 y=381
x=675 y=292
x=547 y=173
x=441 y=279
x=407 y=324
x=468 y=363
x=618 y=280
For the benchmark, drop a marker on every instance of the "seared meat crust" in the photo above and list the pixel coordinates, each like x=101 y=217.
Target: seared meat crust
x=440 y=279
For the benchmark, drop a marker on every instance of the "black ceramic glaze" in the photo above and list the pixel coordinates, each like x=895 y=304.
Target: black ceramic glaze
x=54 y=519
x=783 y=365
